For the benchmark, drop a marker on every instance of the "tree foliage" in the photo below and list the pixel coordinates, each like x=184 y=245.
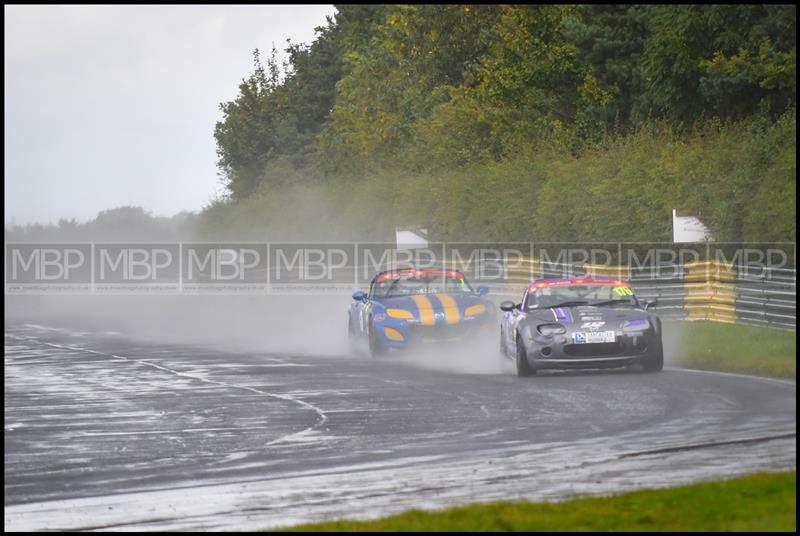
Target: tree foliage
x=417 y=91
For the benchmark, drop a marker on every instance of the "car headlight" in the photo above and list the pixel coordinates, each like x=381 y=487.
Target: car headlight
x=548 y=330
x=402 y=314
x=640 y=324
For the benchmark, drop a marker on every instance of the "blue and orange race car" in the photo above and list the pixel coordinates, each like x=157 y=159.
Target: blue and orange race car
x=408 y=306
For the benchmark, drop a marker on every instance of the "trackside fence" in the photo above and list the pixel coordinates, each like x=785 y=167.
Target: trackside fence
x=724 y=282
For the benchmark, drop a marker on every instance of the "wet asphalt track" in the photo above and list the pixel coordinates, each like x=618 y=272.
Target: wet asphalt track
x=103 y=432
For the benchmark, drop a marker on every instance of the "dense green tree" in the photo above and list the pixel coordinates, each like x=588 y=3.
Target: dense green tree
x=756 y=66
x=654 y=97
x=415 y=56
x=721 y=60
x=246 y=137
x=610 y=40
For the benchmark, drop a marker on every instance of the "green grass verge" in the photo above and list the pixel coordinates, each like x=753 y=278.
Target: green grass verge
x=731 y=347
x=759 y=502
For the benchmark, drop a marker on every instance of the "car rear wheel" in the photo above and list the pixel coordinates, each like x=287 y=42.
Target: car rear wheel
x=523 y=367
x=351 y=333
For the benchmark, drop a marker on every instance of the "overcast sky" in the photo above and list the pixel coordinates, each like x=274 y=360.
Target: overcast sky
x=116 y=105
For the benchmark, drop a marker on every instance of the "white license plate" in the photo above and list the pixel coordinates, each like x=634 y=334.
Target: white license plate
x=590 y=337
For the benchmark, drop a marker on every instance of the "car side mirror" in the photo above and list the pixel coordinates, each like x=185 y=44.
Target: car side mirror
x=507 y=306
x=360 y=295
x=650 y=303
x=480 y=291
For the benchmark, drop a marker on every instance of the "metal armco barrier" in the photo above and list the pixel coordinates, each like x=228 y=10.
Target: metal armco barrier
x=768 y=297
x=744 y=283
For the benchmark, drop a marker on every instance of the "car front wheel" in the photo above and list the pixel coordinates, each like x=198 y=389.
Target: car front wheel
x=376 y=348
x=655 y=362
x=523 y=367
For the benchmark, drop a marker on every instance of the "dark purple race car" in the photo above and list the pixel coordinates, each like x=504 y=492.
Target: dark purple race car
x=580 y=322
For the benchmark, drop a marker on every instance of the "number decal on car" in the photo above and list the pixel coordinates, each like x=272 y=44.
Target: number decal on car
x=623 y=291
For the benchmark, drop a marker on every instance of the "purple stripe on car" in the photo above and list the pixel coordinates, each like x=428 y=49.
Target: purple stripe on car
x=563 y=315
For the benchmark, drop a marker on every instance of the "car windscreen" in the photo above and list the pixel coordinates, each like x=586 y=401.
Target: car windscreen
x=411 y=283
x=583 y=294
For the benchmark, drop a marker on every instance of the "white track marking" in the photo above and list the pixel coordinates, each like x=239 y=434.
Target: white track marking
x=737 y=375
x=323 y=418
